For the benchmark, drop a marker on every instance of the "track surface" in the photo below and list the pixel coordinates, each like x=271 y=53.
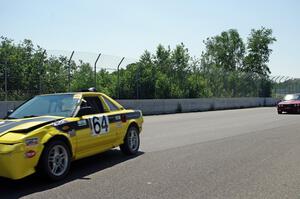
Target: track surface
x=248 y=153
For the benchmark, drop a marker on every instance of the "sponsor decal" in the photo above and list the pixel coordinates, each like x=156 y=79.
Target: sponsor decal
x=32 y=141
x=72 y=133
x=99 y=124
x=66 y=126
x=30 y=154
x=60 y=122
x=82 y=123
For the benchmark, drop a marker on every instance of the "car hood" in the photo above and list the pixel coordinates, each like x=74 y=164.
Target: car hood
x=25 y=125
x=290 y=102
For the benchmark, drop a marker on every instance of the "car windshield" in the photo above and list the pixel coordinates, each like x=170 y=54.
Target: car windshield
x=292 y=97
x=53 y=105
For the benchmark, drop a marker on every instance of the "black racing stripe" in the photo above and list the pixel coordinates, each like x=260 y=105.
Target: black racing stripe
x=12 y=124
x=73 y=125
x=114 y=118
x=8 y=126
x=76 y=126
x=31 y=128
x=133 y=115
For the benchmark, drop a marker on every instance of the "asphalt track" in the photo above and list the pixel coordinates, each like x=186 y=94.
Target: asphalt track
x=247 y=153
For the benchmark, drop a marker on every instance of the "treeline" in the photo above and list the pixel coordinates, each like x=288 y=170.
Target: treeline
x=228 y=67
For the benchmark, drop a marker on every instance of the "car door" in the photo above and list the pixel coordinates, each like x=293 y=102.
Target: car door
x=100 y=135
x=115 y=117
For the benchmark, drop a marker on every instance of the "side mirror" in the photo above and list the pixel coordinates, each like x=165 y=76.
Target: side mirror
x=84 y=111
x=9 y=112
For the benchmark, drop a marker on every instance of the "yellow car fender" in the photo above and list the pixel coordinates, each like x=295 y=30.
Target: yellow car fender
x=51 y=135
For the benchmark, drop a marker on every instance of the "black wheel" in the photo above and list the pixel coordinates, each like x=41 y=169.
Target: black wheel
x=55 y=160
x=131 y=141
x=279 y=112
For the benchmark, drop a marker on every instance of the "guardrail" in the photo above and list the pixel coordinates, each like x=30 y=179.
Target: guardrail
x=167 y=106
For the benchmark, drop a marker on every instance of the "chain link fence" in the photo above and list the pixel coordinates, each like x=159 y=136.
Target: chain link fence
x=67 y=71
x=57 y=71
x=283 y=85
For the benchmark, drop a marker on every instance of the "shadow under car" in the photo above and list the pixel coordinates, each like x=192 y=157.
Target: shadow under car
x=79 y=170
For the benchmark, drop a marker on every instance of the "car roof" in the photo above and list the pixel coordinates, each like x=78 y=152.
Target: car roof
x=73 y=93
x=87 y=93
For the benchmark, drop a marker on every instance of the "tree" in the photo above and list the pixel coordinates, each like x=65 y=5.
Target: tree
x=259 y=51
x=180 y=69
x=224 y=51
x=226 y=68
x=107 y=83
x=23 y=65
x=146 y=75
x=83 y=77
x=55 y=77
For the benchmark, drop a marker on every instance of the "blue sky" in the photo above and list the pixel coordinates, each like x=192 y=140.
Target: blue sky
x=127 y=28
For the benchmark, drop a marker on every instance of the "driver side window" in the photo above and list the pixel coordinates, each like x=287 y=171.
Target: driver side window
x=94 y=103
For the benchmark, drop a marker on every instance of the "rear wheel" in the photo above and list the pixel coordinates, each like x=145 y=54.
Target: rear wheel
x=55 y=160
x=131 y=141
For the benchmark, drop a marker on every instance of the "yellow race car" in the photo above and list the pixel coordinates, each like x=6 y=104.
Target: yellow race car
x=47 y=132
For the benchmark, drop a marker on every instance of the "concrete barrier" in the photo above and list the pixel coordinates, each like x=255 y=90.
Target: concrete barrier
x=165 y=106
x=9 y=105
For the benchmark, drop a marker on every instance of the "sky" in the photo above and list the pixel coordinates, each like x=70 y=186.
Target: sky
x=128 y=28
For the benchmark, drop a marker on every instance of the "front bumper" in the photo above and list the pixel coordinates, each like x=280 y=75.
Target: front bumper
x=288 y=109
x=13 y=162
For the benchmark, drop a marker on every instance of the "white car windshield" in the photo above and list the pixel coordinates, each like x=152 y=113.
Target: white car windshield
x=53 y=105
x=292 y=97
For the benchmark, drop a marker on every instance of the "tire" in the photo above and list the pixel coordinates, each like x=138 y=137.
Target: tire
x=55 y=160
x=131 y=141
x=279 y=112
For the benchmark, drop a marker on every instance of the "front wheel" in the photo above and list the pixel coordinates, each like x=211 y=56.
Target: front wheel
x=279 y=112
x=55 y=160
x=131 y=141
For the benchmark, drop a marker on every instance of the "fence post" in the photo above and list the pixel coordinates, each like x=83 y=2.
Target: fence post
x=95 y=69
x=69 y=72
x=40 y=71
x=275 y=86
x=281 y=83
x=287 y=85
x=137 y=82
x=5 y=81
x=119 y=76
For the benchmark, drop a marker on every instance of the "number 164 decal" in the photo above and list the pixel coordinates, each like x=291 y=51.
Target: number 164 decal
x=100 y=125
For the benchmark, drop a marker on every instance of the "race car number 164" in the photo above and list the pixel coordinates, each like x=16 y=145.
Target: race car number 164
x=100 y=125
